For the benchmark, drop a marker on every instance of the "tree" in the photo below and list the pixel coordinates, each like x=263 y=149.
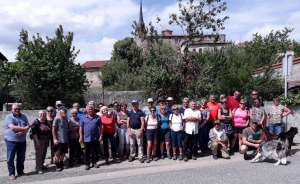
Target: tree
x=46 y=71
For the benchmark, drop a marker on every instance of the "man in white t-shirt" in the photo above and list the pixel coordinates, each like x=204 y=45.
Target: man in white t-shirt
x=192 y=117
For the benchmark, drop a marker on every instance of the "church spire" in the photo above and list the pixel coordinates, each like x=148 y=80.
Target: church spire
x=141 y=19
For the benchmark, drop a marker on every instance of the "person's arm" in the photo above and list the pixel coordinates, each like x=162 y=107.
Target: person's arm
x=115 y=128
x=220 y=117
x=287 y=111
x=54 y=135
x=262 y=117
x=37 y=142
x=251 y=113
x=119 y=121
x=19 y=129
x=193 y=118
x=80 y=135
x=247 y=143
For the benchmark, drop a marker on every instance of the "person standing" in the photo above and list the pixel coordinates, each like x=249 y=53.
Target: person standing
x=213 y=108
x=203 y=127
x=160 y=101
x=15 y=138
x=50 y=117
x=169 y=105
x=75 y=148
x=254 y=95
x=135 y=125
x=185 y=105
x=146 y=111
x=233 y=102
x=90 y=134
x=60 y=129
x=77 y=107
x=123 y=132
x=192 y=117
x=41 y=132
x=164 y=132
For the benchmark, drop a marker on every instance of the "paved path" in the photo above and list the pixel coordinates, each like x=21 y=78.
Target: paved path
x=203 y=170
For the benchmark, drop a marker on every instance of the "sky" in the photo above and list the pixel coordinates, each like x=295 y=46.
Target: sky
x=98 y=24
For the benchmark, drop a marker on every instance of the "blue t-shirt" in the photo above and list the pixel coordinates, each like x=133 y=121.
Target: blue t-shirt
x=181 y=110
x=169 y=109
x=164 y=122
x=90 y=127
x=20 y=121
x=79 y=114
x=135 y=119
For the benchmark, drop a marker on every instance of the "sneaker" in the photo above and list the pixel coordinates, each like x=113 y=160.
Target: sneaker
x=130 y=159
x=110 y=157
x=155 y=158
x=12 y=177
x=115 y=160
x=87 y=167
x=174 y=157
x=39 y=172
x=141 y=160
x=96 y=165
x=180 y=157
x=185 y=159
x=169 y=156
x=162 y=156
x=148 y=160
x=215 y=157
x=246 y=157
x=194 y=158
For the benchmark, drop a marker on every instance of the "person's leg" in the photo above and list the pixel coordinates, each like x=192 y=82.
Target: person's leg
x=194 y=145
x=11 y=152
x=224 y=153
x=113 y=143
x=39 y=160
x=162 y=143
x=45 y=147
x=174 y=141
x=79 y=151
x=121 y=134
x=21 y=152
x=140 y=144
x=271 y=131
x=87 y=148
x=168 y=143
x=72 y=144
x=185 y=145
x=179 y=141
x=95 y=150
x=278 y=129
x=105 y=144
x=127 y=141
x=132 y=144
x=214 y=148
x=233 y=141
x=240 y=139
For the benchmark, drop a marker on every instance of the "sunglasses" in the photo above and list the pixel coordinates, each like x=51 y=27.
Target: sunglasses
x=152 y=110
x=242 y=103
x=254 y=94
x=175 y=109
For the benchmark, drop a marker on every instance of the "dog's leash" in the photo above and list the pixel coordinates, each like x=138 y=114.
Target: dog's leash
x=264 y=133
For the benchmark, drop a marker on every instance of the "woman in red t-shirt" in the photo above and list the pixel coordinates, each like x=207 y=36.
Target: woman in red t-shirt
x=109 y=132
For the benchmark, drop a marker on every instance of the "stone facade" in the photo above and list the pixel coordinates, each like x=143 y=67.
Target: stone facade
x=93 y=75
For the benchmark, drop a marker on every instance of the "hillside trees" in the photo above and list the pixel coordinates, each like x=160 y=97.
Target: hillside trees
x=45 y=71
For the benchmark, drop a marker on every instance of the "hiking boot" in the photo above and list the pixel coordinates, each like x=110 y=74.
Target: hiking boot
x=96 y=165
x=87 y=167
x=110 y=156
x=141 y=160
x=174 y=157
x=148 y=160
x=215 y=157
x=115 y=160
x=155 y=158
x=130 y=159
x=162 y=156
x=194 y=158
x=169 y=156
x=185 y=159
x=180 y=156
x=58 y=167
x=246 y=157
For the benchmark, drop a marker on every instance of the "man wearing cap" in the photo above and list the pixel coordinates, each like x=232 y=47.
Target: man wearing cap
x=135 y=124
x=252 y=137
x=76 y=106
x=160 y=101
x=218 y=141
x=169 y=105
x=192 y=117
x=146 y=110
x=185 y=105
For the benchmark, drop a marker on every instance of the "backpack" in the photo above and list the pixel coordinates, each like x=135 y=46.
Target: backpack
x=157 y=119
x=180 y=116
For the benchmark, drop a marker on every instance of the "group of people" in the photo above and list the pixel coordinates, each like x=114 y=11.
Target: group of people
x=165 y=130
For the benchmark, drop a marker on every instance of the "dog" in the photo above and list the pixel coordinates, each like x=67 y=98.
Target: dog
x=273 y=148
x=288 y=138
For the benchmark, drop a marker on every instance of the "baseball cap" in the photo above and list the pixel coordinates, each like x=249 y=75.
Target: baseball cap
x=134 y=101
x=169 y=99
x=58 y=102
x=217 y=122
x=150 y=100
x=254 y=120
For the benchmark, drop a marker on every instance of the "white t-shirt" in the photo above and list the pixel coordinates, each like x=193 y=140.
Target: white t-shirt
x=191 y=126
x=176 y=121
x=151 y=123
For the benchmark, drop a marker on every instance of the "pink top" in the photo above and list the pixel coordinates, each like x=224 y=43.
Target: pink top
x=240 y=117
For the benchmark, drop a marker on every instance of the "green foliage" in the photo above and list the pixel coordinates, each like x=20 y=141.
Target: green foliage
x=45 y=71
x=292 y=99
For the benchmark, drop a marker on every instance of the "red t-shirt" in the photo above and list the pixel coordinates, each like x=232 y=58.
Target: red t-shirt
x=108 y=124
x=213 y=108
x=232 y=103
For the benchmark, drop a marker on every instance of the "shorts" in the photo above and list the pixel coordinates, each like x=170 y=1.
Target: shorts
x=165 y=135
x=152 y=134
x=238 y=130
x=275 y=128
x=227 y=127
x=61 y=148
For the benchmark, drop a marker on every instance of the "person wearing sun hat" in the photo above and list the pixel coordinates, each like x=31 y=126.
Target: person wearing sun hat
x=160 y=102
x=218 y=141
x=169 y=105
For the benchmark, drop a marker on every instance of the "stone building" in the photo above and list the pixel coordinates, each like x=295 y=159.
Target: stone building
x=92 y=71
x=179 y=42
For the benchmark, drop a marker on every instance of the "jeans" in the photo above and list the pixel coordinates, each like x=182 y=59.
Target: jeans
x=177 y=138
x=202 y=137
x=193 y=139
x=12 y=149
x=123 y=138
x=112 y=139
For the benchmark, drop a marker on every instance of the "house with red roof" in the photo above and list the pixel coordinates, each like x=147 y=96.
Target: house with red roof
x=92 y=72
